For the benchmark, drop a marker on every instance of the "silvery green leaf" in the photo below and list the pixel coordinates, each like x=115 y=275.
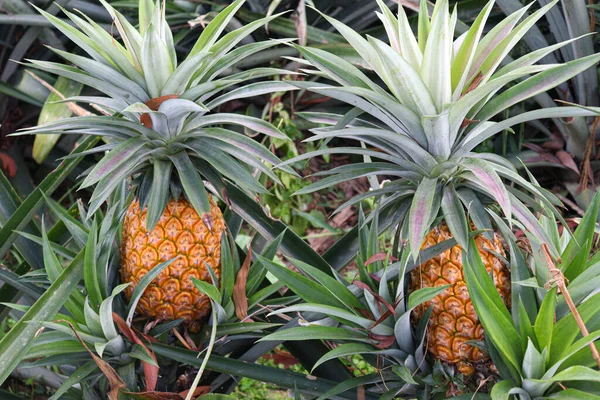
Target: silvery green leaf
x=404 y=335
x=454 y=214
x=316 y=332
x=373 y=304
x=236 y=55
x=213 y=30
x=424 y=25
x=252 y=123
x=502 y=40
x=116 y=158
x=111 y=50
x=106 y=310
x=92 y=320
x=537 y=84
x=156 y=62
x=192 y=183
x=67 y=330
x=159 y=193
x=462 y=108
x=221 y=48
x=416 y=152
x=242 y=142
x=577 y=18
x=489 y=179
x=336 y=288
x=129 y=34
x=437 y=57
x=178 y=81
x=421 y=211
x=226 y=165
x=475 y=137
x=337 y=68
x=80 y=76
x=463 y=58
x=116 y=105
x=343 y=150
x=336 y=312
x=409 y=47
x=115 y=346
x=76 y=36
x=251 y=90
x=403 y=81
x=99 y=347
x=534 y=362
x=437 y=131
x=176 y=111
x=535 y=56
x=357 y=171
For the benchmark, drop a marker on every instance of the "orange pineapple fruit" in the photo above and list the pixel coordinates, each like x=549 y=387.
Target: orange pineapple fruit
x=453 y=321
x=180 y=232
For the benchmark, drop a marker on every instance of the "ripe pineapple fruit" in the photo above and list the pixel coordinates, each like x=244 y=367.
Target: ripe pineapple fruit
x=421 y=126
x=454 y=322
x=165 y=132
x=179 y=232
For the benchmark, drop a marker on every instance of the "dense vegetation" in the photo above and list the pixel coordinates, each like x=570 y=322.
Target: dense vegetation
x=299 y=199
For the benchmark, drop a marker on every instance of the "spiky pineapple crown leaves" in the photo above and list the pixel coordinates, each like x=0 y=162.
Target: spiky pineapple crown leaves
x=162 y=120
x=434 y=108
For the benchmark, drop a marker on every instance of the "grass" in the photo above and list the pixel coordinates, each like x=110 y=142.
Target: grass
x=257 y=390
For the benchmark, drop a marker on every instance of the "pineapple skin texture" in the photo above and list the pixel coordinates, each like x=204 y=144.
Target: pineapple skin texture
x=453 y=320
x=179 y=232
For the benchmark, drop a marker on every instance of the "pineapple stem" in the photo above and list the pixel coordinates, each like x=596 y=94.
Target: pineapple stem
x=211 y=343
x=559 y=280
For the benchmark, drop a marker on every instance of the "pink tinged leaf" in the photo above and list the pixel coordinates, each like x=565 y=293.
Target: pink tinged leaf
x=489 y=179
x=531 y=224
x=381 y=300
x=391 y=32
x=150 y=371
x=499 y=37
x=379 y=257
x=567 y=160
x=420 y=214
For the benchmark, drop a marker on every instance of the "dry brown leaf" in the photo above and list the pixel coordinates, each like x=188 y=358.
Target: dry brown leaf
x=153 y=104
x=200 y=391
x=239 y=289
x=150 y=371
x=114 y=380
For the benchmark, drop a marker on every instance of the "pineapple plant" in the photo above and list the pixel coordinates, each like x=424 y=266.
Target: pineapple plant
x=420 y=129
x=370 y=316
x=165 y=135
x=546 y=345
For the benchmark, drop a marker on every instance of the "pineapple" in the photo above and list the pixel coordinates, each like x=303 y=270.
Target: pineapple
x=454 y=321
x=420 y=125
x=164 y=132
x=179 y=232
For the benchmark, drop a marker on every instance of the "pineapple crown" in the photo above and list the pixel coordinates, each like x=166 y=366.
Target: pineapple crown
x=434 y=107
x=161 y=117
